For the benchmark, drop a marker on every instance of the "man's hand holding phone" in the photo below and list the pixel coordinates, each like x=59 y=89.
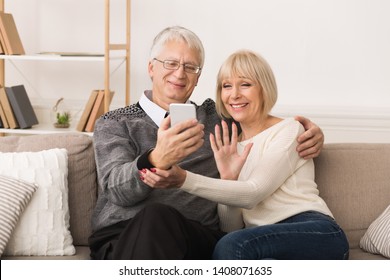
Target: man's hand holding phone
x=175 y=142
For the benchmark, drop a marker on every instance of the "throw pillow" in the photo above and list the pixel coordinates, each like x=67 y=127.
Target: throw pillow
x=82 y=182
x=14 y=197
x=376 y=240
x=43 y=228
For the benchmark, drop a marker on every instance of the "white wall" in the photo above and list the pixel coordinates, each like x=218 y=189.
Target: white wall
x=331 y=57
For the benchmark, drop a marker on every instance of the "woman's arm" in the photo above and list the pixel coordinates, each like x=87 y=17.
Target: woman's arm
x=229 y=161
x=278 y=162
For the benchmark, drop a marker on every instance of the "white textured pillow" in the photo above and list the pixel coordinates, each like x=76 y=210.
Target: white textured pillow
x=14 y=197
x=43 y=228
x=376 y=240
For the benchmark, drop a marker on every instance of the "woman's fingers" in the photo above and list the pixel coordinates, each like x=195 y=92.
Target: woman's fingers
x=218 y=139
x=225 y=133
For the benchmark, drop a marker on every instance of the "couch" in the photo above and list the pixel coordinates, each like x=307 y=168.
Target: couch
x=353 y=179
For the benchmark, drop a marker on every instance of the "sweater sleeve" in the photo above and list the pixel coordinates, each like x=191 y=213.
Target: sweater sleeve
x=116 y=159
x=278 y=162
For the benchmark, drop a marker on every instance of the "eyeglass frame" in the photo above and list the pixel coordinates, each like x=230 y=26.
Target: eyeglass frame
x=198 y=68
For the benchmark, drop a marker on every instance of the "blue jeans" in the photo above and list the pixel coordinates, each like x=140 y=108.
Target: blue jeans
x=305 y=236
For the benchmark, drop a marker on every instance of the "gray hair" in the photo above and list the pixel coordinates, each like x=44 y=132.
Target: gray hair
x=177 y=33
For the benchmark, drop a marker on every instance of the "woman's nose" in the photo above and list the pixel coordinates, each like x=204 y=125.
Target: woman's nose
x=235 y=93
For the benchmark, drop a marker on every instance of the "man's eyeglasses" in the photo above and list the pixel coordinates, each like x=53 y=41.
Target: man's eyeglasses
x=174 y=65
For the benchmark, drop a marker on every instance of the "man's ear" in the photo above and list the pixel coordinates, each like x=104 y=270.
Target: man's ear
x=150 y=69
x=197 y=79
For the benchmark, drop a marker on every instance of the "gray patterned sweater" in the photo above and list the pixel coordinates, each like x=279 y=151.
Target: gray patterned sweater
x=120 y=137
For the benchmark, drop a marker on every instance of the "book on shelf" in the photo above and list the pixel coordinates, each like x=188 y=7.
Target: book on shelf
x=21 y=106
x=97 y=110
x=9 y=38
x=9 y=114
x=87 y=111
x=3 y=117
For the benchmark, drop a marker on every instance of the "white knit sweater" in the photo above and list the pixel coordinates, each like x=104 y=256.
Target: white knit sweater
x=274 y=184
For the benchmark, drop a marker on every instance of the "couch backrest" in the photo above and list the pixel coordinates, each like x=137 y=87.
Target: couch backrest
x=354 y=180
x=82 y=183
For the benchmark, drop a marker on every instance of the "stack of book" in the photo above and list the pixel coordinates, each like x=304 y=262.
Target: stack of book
x=16 y=110
x=10 y=42
x=93 y=110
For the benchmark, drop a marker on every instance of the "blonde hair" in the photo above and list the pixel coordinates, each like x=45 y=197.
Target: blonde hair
x=245 y=63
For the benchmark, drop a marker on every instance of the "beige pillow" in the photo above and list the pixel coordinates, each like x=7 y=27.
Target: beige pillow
x=43 y=228
x=14 y=196
x=376 y=240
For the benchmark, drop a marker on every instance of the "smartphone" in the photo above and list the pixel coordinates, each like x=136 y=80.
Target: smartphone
x=181 y=112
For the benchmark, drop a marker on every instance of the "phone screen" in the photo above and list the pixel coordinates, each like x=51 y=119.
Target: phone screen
x=181 y=112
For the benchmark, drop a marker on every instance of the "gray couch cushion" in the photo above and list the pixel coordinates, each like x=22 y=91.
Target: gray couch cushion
x=81 y=177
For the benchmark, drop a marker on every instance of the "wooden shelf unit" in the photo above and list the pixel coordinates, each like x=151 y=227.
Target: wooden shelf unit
x=106 y=58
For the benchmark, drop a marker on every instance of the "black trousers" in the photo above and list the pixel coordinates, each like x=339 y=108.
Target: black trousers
x=158 y=232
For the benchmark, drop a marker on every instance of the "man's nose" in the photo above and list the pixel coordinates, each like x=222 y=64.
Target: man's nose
x=180 y=71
